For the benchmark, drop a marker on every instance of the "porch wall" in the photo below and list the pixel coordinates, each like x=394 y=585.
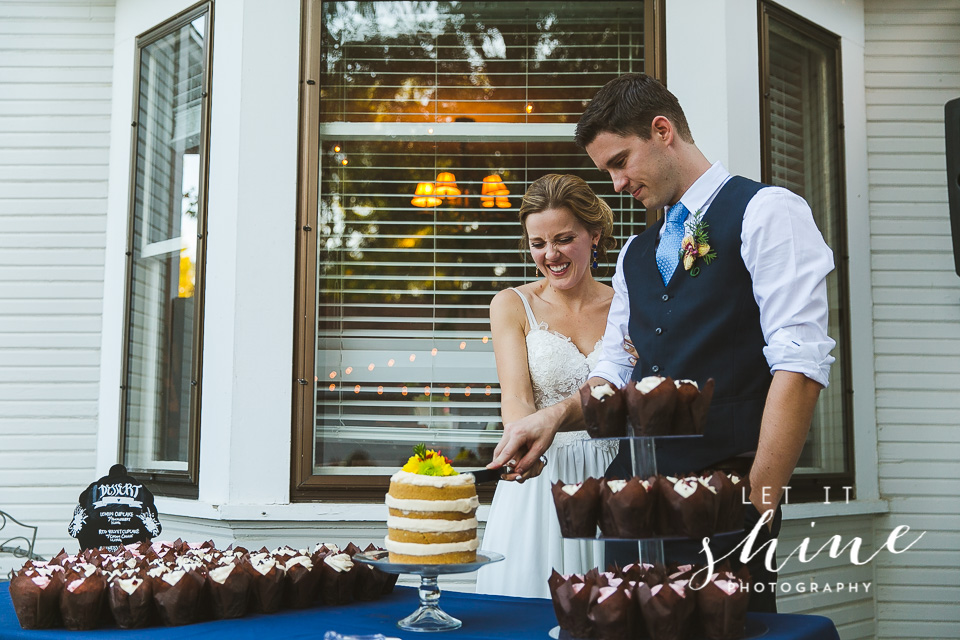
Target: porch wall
x=56 y=62
x=912 y=48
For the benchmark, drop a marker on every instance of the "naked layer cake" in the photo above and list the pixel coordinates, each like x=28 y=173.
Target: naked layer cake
x=432 y=512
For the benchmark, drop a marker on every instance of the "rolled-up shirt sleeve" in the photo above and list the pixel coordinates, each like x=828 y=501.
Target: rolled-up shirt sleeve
x=788 y=260
x=614 y=365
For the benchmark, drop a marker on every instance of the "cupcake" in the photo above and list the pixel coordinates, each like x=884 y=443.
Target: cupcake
x=612 y=614
x=82 y=597
x=338 y=575
x=266 y=582
x=686 y=507
x=131 y=602
x=651 y=404
x=177 y=597
x=722 y=603
x=693 y=404
x=578 y=507
x=36 y=597
x=572 y=596
x=229 y=590
x=604 y=411
x=627 y=508
x=300 y=583
x=667 y=609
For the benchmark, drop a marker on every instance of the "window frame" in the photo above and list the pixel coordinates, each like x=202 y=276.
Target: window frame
x=810 y=487
x=174 y=483
x=304 y=485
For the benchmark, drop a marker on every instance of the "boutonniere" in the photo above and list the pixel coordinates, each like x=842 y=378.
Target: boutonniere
x=696 y=245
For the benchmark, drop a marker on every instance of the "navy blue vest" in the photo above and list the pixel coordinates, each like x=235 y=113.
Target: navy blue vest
x=704 y=326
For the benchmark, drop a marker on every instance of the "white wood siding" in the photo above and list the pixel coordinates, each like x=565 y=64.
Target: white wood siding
x=913 y=68
x=55 y=75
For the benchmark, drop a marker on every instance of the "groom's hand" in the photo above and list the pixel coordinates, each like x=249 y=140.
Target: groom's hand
x=526 y=439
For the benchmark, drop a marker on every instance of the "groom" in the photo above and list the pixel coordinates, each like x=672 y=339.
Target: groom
x=753 y=317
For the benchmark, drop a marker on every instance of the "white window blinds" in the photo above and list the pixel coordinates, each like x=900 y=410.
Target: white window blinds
x=436 y=116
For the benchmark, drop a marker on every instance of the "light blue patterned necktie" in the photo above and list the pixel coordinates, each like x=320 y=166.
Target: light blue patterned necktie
x=668 y=252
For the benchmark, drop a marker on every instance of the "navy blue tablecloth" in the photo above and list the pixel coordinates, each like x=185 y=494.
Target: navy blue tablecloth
x=484 y=618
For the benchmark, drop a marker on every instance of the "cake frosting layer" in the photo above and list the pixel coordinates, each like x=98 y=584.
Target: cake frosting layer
x=405 y=477
x=461 y=505
x=426 y=525
x=433 y=549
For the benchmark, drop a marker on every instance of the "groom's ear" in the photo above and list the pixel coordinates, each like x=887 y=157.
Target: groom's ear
x=661 y=130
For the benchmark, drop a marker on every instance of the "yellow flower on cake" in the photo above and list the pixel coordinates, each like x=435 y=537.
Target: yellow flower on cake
x=426 y=462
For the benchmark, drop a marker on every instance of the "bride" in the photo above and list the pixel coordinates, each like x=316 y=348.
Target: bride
x=546 y=338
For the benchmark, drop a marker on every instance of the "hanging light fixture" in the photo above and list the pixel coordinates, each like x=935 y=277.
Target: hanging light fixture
x=425 y=195
x=447 y=185
x=494 y=192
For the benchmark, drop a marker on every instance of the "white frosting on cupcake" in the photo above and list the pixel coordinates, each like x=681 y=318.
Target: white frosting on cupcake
x=41 y=581
x=340 y=562
x=130 y=585
x=295 y=560
x=693 y=382
x=616 y=486
x=685 y=488
x=173 y=577
x=220 y=574
x=648 y=384
x=601 y=391
x=571 y=489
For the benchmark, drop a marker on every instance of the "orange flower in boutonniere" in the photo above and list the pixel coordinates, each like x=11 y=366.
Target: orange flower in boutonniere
x=696 y=245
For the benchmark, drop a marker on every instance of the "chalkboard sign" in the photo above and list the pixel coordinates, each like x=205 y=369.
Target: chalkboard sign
x=116 y=509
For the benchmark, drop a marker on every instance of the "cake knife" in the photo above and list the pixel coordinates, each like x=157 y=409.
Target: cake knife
x=493 y=475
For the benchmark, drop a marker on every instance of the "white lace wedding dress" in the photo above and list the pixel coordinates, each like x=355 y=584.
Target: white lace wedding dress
x=523 y=523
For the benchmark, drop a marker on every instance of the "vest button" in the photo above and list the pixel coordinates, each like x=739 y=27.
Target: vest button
x=658 y=330
x=665 y=297
x=655 y=368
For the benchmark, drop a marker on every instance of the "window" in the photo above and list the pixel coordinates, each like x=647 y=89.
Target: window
x=802 y=146
x=160 y=415
x=425 y=123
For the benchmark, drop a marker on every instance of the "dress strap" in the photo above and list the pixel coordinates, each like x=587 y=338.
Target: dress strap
x=526 y=305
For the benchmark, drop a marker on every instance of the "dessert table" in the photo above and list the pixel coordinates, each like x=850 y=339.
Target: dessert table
x=484 y=618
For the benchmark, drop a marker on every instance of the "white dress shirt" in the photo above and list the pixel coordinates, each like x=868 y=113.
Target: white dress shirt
x=788 y=262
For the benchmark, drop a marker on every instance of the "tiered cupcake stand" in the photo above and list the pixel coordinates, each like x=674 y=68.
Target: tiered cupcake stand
x=643 y=463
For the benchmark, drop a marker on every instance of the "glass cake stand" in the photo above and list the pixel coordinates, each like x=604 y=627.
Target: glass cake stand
x=429 y=617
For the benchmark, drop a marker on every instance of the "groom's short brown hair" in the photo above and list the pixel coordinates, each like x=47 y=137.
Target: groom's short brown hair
x=626 y=106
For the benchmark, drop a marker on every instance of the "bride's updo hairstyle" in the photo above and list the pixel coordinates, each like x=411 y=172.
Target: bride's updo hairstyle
x=569 y=192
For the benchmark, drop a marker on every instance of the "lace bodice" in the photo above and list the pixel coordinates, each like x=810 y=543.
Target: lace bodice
x=557 y=370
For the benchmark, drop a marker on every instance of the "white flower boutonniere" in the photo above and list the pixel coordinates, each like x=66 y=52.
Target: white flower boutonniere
x=696 y=245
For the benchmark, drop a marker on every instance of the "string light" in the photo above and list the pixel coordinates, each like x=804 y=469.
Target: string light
x=426 y=391
x=529 y=108
x=333 y=374
x=336 y=149
x=380 y=390
x=348 y=370
x=486 y=339
x=344 y=162
x=446 y=391
x=413 y=357
x=333 y=387
x=390 y=362
x=463 y=345
x=371 y=366
x=486 y=390
x=403 y=391
x=433 y=352
x=356 y=389
x=466 y=392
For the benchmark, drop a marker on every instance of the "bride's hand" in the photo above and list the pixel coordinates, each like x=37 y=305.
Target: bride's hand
x=524 y=440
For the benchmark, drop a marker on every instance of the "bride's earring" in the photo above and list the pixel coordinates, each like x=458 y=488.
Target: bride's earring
x=594 y=265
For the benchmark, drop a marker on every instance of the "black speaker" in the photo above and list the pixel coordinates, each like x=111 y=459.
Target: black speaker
x=952 y=121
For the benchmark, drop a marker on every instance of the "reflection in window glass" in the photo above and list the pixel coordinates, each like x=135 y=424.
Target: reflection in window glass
x=162 y=316
x=806 y=157
x=416 y=234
